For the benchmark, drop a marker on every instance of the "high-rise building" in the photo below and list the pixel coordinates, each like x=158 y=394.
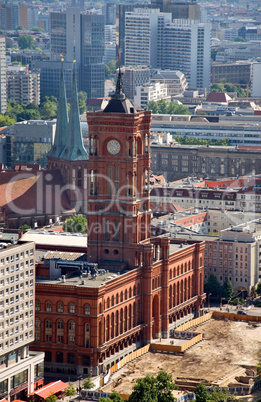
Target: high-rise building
x=187 y=48
x=21 y=371
x=23 y=86
x=142 y=36
x=80 y=36
x=133 y=77
x=109 y=11
x=3 y=104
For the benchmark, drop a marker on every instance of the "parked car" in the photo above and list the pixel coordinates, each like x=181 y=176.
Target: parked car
x=242 y=312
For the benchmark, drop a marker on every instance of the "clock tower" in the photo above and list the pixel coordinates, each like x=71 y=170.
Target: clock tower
x=119 y=215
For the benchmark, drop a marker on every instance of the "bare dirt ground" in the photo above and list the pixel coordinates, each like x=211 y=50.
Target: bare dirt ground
x=227 y=346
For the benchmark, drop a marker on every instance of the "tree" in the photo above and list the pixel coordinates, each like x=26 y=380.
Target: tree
x=24 y=227
x=258 y=288
x=82 y=98
x=75 y=224
x=6 y=121
x=88 y=384
x=48 y=110
x=222 y=396
x=26 y=41
x=201 y=393
x=51 y=398
x=227 y=289
x=70 y=391
x=165 y=385
x=19 y=28
x=165 y=107
x=114 y=397
x=240 y=39
x=212 y=286
x=151 y=389
x=37 y=29
x=110 y=69
x=29 y=114
x=145 y=390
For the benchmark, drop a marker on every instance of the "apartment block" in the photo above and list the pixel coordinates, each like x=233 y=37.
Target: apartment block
x=151 y=92
x=3 y=104
x=23 y=86
x=21 y=371
x=134 y=77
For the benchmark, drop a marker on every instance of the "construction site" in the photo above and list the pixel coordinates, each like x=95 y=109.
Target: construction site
x=226 y=357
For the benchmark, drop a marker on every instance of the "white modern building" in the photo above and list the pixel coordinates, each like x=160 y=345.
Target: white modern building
x=151 y=92
x=21 y=371
x=256 y=80
x=186 y=47
x=3 y=100
x=142 y=33
x=175 y=80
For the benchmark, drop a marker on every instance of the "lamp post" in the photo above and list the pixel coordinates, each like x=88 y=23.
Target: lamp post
x=79 y=379
x=210 y=294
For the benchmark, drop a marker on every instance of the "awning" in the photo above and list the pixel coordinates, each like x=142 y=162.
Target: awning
x=52 y=388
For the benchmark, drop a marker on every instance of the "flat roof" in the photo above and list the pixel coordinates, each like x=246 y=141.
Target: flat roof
x=44 y=237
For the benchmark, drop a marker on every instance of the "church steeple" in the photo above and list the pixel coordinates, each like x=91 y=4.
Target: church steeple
x=74 y=149
x=62 y=120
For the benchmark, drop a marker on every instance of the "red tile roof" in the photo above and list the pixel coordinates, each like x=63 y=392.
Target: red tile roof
x=33 y=192
x=218 y=97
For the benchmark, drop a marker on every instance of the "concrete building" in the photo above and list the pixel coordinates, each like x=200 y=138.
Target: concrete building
x=50 y=72
x=256 y=80
x=236 y=73
x=179 y=161
x=29 y=142
x=142 y=38
x=186 y=47
x=151 y=92
x=3 y=100
x=134 y=77
x=175 y=80
x=21 y=371
x=22 y=85
x=80 y=36
x=240 y=131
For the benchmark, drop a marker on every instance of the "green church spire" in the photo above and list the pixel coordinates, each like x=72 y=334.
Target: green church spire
x=74 y=149
x=62 y=120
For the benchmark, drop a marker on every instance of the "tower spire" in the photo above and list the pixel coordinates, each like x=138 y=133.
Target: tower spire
x=74 y=149
x=62 y=118
x=119 y=94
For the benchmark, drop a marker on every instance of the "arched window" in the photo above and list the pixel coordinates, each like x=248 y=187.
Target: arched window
x=117 y=298
x=126 y=294
x=60 y=324
x=37 y=305
x=87 y=309
x=108 y=302
x=71 y=332
x=48 y=323
x=71 y=325
x=110 y=179
x=71 y=308
x=79 y=177
x=37 y=322
x=121 y=296
x=100 y=308
x=116 y=178
x=130 y=292
x=146 y=144
x=48 y=306
x=112 y=301
x=60 y=307
x=87 y=335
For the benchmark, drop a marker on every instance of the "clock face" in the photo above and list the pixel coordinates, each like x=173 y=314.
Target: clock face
x=113 y=147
